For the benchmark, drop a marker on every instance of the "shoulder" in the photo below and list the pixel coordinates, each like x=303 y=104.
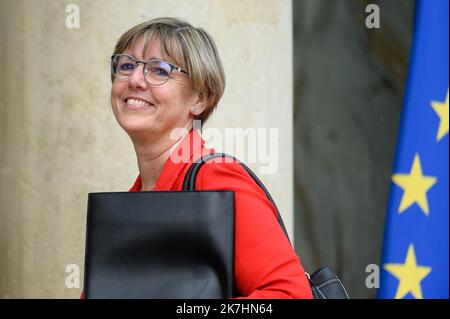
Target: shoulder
x=220 y=173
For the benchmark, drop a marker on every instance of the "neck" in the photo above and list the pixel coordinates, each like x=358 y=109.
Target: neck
x=152 y=153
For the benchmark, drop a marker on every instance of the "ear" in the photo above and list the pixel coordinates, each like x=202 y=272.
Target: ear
x=201 y=101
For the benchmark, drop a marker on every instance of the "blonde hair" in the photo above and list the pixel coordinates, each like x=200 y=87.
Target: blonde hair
x=193 y=49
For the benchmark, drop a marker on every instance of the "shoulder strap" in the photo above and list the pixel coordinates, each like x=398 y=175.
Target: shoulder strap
x=324 y=283
x=191 y=175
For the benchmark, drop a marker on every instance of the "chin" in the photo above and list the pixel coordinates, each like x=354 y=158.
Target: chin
x=136 y=126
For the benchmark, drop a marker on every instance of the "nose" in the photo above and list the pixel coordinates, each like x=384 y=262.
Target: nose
x=137 y=79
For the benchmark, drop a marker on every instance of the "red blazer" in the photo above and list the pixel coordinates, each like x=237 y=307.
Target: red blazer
x=266 y=266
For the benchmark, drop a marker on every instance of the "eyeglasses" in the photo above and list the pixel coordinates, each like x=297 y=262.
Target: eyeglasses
x=156 y=72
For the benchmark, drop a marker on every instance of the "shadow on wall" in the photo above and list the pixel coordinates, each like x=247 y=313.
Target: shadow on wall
x=349 y=83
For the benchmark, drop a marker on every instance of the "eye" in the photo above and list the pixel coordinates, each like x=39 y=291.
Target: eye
x=126 y=67
x=159 y=71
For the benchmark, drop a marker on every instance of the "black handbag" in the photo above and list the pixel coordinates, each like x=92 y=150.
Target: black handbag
x=160 y=245
x=324 y=282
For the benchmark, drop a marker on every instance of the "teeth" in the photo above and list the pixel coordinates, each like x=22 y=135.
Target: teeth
x=137 y=102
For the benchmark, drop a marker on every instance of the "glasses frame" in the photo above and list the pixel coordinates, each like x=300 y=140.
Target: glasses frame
x=172 y=67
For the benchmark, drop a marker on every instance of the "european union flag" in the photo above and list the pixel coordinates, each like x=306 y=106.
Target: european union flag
x=416 y=244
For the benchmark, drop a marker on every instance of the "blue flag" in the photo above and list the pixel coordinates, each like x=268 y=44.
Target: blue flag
x=416 y=243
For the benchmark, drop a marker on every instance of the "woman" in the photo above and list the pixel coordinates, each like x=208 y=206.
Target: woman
x=165 y=74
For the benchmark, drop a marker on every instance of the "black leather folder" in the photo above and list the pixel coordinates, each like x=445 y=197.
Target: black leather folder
x=167 y=244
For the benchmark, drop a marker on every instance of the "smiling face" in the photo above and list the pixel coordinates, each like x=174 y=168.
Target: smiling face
x=142 y=108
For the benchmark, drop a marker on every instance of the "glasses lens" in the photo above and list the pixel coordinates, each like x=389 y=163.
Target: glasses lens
x=123 y=66
x=157 y=72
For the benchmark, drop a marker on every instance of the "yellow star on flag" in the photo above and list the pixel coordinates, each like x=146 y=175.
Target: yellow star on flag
x=409 y=275
x=441 y=109
x=415 y=186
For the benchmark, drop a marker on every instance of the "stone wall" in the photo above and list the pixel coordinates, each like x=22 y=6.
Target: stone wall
x=59 y=139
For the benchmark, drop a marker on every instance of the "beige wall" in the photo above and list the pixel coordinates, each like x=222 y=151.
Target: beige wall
x=59 y=139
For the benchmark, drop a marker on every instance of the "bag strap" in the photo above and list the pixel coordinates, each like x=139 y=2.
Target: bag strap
x=191 y=175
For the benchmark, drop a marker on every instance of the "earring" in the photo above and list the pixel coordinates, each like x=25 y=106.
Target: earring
x=195 y=109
